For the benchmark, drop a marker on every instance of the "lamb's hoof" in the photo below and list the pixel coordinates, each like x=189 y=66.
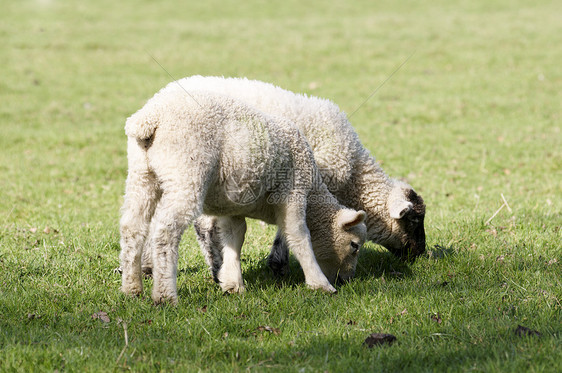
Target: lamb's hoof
x=171 y=300
x=163 y=294
x=232 y=288
x=132 y=289
x=132 y=292
x=325 y=288
x=279 y=266
x=279 y=269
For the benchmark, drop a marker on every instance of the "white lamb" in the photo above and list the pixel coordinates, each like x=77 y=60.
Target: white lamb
x=197 y=152
x=395 y=212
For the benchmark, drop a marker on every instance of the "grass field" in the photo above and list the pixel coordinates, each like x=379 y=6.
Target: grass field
x=474 y=114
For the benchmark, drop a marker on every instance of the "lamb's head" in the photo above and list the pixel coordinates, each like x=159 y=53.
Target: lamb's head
x=406 y=212
x=336 y=247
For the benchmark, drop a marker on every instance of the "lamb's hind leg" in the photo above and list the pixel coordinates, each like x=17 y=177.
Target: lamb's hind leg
x=231 y=232
x=175 y=211
x=293 y=224
x=211 y=246
x=146 y=260
x=136 y=213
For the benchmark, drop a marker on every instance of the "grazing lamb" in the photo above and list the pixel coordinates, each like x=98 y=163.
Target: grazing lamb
x=395 y=212
x=196 y=152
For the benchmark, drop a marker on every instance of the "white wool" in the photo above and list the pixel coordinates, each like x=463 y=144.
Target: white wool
x=347 y=167
x=192 y=152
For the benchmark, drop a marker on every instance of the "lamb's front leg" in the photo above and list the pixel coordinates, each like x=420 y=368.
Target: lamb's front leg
x=293 y=224
x=231 y=232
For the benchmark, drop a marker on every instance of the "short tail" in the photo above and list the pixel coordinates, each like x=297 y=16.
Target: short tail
x=142 y=124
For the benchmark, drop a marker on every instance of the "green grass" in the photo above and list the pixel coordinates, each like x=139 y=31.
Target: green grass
x=473 y=114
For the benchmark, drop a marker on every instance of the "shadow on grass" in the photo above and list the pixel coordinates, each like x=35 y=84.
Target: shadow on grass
x=376 y=263
x=439 y=252
x=373 y=263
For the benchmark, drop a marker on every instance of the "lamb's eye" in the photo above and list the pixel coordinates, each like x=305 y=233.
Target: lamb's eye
x=354 y=247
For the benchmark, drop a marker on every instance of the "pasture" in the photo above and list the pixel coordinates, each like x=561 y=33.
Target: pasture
x=461 y=99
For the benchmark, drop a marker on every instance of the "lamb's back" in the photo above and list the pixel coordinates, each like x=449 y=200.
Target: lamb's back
x=335 y=144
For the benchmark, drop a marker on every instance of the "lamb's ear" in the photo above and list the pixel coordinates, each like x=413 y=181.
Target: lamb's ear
x=399 y=208
x=350 y=218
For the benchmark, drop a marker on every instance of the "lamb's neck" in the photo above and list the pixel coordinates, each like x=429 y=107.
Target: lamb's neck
x=372 y=187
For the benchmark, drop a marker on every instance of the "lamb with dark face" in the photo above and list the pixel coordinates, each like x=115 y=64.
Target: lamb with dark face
x=406 y=215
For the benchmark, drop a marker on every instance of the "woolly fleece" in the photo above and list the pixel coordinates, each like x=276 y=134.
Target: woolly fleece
x=193 y=152
x=395 y=212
